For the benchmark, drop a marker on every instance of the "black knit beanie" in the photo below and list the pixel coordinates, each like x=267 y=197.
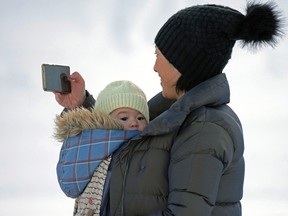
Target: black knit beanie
x=199 y=40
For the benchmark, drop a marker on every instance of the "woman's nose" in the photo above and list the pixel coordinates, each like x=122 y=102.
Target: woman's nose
x=155 y=67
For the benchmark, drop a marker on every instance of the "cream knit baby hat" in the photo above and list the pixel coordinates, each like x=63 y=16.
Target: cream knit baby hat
x=122 y=93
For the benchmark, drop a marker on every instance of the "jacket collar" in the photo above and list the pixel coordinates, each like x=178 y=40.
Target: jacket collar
x=212 y=92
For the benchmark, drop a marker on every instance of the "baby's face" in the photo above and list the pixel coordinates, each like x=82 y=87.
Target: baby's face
x=131 y=119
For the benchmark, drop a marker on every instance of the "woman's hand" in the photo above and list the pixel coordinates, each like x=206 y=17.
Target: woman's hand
x=77 y=95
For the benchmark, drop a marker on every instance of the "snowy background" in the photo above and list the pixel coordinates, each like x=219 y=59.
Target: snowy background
x=109 y=40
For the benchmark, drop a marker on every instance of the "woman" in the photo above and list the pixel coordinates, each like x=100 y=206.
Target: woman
x=190 y=158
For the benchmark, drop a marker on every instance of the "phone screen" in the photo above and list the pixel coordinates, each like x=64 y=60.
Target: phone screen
x=55 y=78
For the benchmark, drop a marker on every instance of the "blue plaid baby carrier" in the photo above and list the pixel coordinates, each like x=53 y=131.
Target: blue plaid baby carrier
x=81 y=154
x=89 y=137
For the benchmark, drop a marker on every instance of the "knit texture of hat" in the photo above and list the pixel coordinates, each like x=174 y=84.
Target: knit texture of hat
x=198 y=40
x=122 y=94
x=194 y=40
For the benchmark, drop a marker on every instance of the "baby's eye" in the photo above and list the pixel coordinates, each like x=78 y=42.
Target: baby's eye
x=124 y=118
x=141 y=118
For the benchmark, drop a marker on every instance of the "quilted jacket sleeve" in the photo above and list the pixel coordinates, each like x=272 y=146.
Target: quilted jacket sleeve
x=198 y=160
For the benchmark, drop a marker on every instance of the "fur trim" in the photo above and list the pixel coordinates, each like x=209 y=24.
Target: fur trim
x=73 y=122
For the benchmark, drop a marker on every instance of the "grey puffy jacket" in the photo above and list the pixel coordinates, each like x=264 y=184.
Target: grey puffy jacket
x=189 y=162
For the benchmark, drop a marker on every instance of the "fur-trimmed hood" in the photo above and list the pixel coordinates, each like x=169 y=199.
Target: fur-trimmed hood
x=73 y=122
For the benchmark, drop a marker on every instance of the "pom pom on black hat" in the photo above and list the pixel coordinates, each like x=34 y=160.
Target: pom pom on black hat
x=261 y=26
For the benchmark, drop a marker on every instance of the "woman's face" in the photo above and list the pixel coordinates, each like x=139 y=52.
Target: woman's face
x=168 y=74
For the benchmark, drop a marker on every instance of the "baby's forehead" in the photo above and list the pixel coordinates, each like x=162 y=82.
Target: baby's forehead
x=125 y=110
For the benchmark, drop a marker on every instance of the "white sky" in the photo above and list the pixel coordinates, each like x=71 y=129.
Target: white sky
x=109 y=40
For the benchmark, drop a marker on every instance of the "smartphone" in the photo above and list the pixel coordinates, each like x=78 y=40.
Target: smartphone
x=55 y=78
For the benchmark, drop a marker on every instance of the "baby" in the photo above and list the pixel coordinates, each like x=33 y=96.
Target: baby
x=91 y=136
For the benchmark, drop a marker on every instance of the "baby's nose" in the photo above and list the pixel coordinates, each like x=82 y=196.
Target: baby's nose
x=134 y=123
